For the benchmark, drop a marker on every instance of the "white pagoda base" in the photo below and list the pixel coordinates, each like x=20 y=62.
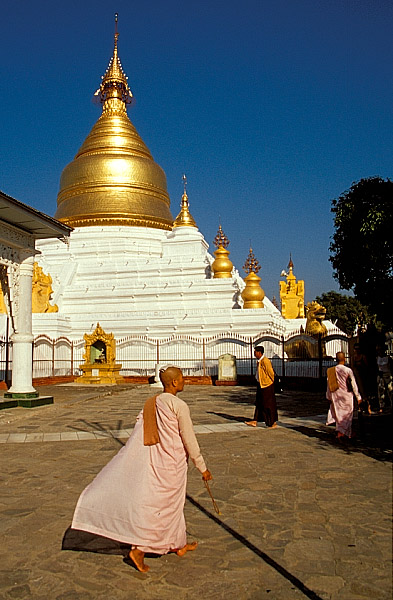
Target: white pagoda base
x=136 y=280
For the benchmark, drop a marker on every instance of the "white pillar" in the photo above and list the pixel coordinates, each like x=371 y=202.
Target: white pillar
x=22 y=338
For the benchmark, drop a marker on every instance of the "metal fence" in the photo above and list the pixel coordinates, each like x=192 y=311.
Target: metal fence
x=293 y=355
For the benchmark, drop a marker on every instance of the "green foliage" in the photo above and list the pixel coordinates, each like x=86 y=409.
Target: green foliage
x=362 y=246
x=347 y=312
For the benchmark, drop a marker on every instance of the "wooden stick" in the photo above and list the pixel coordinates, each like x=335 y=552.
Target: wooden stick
x=211 y=496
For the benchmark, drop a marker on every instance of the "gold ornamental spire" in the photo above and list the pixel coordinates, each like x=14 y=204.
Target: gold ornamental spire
x=184 y=218
x=222 y=266
x=114 y=92
x=113 y=179
x=251 y=265
x=252 y=294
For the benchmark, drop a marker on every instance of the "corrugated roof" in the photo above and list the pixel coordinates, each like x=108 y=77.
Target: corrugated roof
x=33 y=221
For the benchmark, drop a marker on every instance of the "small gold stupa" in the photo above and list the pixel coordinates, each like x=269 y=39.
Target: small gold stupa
x=252 y=294
x=113 y=180
x=184 y=218
x=222 y=266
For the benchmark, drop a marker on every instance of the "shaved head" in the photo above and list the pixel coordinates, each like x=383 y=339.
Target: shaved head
x=169 y=375
x=340 y=357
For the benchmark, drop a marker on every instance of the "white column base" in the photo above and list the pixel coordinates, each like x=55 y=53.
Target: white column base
x=22 y=363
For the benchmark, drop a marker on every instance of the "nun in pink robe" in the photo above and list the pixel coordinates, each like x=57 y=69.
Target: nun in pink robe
x=341 y=399
x=138 y=497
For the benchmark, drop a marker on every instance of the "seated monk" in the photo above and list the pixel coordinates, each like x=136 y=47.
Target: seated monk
x=138 y=497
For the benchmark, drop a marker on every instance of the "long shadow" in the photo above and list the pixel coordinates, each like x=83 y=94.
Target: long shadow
x=265 y=557
x=247 y=396
x=227 y=417
x=349 y=447
x=94 y=426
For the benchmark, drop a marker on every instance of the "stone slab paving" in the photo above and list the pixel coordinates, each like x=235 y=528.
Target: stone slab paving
x=301 y=517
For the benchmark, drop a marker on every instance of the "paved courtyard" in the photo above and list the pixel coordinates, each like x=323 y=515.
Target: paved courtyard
x=301 y=515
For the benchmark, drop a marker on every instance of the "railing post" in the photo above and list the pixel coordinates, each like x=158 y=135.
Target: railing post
x=72 y=357
x=204 y=356
x=283 y=357
x=251 y=357
x=158 y=351
x=320 y=356
x=7 y=379
x=53 y=358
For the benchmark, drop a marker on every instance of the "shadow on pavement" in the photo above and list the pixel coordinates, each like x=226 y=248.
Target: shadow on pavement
x=371 y=446
x=265 y=557
x=94 y=426
x=228 y=417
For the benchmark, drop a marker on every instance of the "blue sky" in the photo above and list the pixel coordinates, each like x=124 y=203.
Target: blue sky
x=270 y=108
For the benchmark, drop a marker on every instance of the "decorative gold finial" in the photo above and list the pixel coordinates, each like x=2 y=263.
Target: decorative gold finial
x=222 y=266
x=221 y=239
x=114 y=92
x=251 y=264
x=184 y=218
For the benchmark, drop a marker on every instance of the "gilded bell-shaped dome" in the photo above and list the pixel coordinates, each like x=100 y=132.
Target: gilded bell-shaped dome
x=113 y=180
x=252 y=294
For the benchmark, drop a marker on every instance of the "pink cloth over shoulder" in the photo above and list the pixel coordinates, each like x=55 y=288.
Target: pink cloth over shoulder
x=341 y=407
x=138 y=497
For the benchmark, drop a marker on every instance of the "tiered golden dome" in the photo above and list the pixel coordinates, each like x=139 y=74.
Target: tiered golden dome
x=113 y=180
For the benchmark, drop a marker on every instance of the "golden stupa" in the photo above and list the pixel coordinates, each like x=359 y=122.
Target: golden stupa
x=113 y=180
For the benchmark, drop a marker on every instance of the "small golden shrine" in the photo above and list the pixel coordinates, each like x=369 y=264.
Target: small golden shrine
x=222 y=266
x=100 y=359
x=252 y=294
x=291 y=295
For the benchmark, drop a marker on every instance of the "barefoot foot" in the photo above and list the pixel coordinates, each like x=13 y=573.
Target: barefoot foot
x=137 y=557
x=186 y=548
x=273 y=426
x=251 y=423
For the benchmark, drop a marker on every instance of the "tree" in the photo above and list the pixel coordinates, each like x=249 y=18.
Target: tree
x=347 y=312
x=362 y=246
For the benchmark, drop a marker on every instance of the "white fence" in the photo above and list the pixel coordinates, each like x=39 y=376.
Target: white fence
x=138 y=354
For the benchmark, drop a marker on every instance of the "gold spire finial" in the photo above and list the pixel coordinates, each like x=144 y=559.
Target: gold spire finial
x=251 y=265
x=184 y=218
x=290 y=264
x=114 y=92
x=221 y=239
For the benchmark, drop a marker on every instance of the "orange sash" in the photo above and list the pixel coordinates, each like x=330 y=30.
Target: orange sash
x=332 y=379
x=150 y=428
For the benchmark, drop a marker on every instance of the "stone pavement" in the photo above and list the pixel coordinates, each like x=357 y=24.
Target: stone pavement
x=302 y=516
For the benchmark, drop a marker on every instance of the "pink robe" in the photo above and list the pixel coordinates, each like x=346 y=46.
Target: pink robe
x=138 y=497
x=341 y=407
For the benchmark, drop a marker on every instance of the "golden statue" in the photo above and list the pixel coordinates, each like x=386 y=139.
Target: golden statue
x=316 y=313
x=42 y=292
x=291 y=295
x=252 y=294
x=222 y=266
